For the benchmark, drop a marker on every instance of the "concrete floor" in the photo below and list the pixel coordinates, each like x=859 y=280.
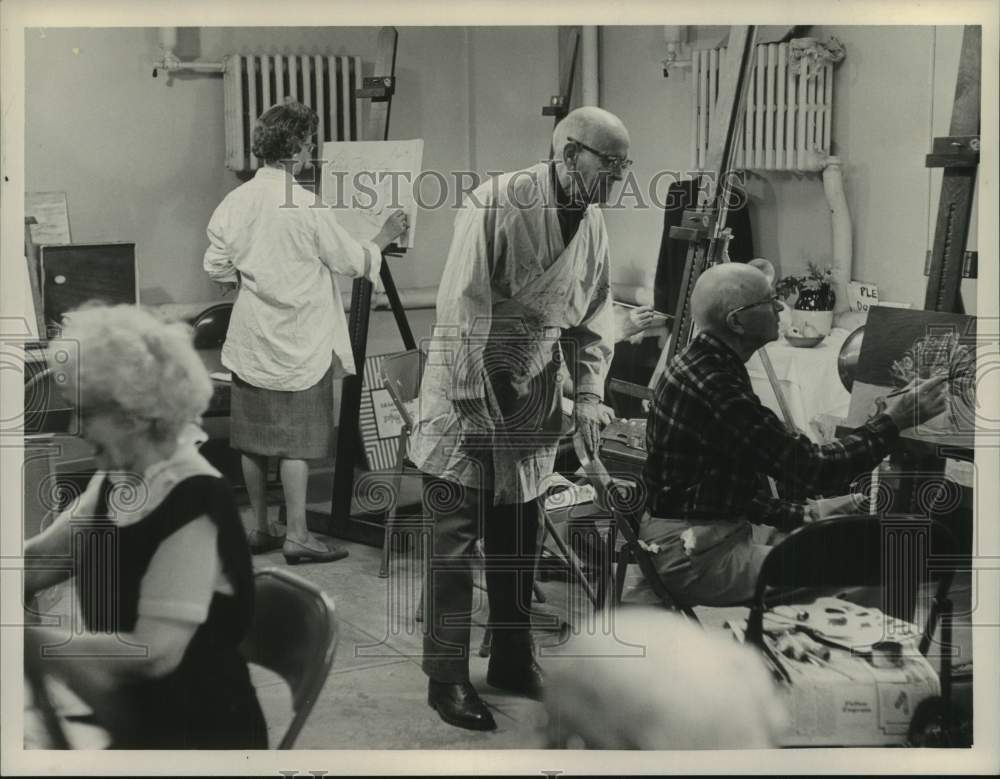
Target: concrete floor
x=376 y=694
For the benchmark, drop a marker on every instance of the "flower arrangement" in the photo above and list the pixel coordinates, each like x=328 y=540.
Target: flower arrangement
x=813 y=291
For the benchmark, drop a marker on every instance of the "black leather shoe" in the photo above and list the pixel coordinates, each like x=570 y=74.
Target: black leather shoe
x=460 y=705
x=524 y=679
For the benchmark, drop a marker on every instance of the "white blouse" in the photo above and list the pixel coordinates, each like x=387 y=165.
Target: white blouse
x=288 y=319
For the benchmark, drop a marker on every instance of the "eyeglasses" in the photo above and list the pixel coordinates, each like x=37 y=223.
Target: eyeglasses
x=774 y=301
x=617 y=164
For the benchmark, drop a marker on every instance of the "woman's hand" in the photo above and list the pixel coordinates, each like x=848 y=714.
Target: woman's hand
x=397 y=224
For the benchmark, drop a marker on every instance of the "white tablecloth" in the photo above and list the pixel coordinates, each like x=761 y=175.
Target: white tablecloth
x=808 y=378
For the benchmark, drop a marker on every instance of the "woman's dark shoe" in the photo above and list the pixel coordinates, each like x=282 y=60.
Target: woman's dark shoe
x=459 y=704
x=316 y=552
x=261 y=542
x=524 y=678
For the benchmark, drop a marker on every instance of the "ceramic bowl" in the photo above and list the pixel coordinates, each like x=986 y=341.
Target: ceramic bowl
x=804 y=342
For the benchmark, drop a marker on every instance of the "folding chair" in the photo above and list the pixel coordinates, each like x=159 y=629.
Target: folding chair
x=614 y=497
x=211 y=325
x=294 y=633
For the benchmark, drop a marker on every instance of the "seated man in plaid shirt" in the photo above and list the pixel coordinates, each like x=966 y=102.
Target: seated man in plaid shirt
x=710 y=443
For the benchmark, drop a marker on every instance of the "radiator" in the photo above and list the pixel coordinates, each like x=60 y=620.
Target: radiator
x=253 y=83
x=788 y=112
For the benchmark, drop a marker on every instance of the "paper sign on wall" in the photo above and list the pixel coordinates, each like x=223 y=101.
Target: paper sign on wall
x=52 y=216
x=861 y=296
x=365 y=181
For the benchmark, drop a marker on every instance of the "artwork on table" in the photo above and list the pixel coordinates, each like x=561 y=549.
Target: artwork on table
x=902 y=346
x=365 y=181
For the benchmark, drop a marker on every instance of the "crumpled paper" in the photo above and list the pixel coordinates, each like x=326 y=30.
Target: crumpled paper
x=813 y=53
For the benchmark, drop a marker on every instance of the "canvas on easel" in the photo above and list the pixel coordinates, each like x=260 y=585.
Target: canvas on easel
x=901 y=346
x=365 y=181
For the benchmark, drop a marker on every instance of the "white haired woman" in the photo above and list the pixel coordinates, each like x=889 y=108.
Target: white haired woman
x=288 y=333
x=159 y=661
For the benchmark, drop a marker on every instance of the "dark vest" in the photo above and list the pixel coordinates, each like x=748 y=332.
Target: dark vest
x=208 y=701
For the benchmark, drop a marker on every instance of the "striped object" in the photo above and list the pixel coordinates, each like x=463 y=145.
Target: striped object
x=379 y=420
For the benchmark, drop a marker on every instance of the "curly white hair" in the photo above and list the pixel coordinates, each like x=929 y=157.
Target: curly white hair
x=128 y=358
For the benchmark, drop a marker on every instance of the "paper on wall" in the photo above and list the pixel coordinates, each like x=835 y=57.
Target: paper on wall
x=365 y=181
x=51 y=213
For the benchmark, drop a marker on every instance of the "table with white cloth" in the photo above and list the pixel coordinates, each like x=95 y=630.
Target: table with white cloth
x=808 y=379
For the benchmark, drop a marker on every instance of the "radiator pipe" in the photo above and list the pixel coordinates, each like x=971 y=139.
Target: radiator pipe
x=833 y=187
x=171 y=63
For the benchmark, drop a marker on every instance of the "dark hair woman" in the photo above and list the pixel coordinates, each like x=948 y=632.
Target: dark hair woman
x=288 y=333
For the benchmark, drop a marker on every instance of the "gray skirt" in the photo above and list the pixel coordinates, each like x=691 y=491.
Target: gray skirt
x=295 y=425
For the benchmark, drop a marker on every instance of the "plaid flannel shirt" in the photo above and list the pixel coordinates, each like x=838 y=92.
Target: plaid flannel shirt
x=710 y=441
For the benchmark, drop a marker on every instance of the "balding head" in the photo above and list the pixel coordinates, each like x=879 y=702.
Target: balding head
x=722 y=288
x=593 y=126
x=585 y=169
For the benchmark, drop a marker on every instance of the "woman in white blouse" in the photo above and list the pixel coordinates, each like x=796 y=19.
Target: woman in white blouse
x=288 y=333
x=154 y=546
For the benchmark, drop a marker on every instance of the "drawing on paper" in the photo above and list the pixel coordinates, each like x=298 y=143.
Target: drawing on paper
x=365 y=181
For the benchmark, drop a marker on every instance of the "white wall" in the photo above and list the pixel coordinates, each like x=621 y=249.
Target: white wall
x=143 y=161
x=893 y=95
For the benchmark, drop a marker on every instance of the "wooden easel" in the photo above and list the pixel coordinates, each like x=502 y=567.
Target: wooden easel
x=34 y=276
x=958 y=154
x=559 y=105
x=948 y=262
x=704 y=227
x=379 y=89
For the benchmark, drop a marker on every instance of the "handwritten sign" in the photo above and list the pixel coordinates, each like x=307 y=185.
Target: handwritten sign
x=861 y=296
x=388 y=422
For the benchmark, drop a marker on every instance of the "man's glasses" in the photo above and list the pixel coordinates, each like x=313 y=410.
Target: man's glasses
x=774 y=301
x=617 y=164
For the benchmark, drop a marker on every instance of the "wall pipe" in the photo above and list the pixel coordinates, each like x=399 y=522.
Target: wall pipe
x=842 y=264
x=172 y=64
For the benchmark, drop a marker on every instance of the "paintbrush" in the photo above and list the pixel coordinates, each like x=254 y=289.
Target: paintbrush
x=655 y=313
x=950 y=375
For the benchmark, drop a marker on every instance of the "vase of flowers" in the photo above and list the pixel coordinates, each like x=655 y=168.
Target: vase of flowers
x=812 y=299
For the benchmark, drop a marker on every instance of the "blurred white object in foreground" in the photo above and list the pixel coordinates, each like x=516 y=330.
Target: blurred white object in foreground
x=660 y=682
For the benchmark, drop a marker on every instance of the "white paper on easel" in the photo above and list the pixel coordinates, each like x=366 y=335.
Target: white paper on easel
x=51 y=213
x=365 y=181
